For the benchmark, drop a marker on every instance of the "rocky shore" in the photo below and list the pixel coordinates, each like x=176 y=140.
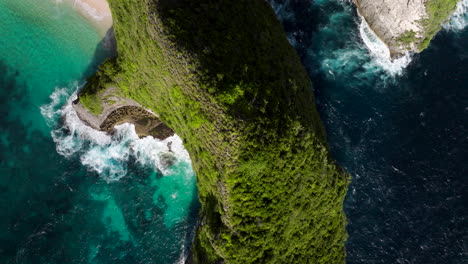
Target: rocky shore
x=391 y=19
x=405 y=25
x=124 y=110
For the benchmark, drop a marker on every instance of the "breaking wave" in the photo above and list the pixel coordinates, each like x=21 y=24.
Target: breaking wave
x=352 y=48
x=346 y=52
x=108 y=155
x=459 y=19
x=380 y=52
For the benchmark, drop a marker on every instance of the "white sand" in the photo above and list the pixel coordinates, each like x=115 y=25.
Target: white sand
x=96 y=11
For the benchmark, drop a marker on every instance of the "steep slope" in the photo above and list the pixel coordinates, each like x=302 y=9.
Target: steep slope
x=222 y=75
x=406 y=25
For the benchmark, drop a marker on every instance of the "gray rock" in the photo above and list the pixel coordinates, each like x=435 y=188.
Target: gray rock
x=123 y=110
x=391 y=19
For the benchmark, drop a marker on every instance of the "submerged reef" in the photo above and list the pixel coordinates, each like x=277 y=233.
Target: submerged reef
x=406 y=25
x=222 y=75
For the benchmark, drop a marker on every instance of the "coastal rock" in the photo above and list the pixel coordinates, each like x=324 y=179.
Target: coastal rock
x=124 y=110
x=405 y=25
x=391 y=19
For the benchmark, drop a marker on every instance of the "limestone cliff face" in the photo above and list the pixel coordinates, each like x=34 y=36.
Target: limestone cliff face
x=405 y=25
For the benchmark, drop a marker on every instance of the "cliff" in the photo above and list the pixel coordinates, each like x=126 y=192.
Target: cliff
x=223 y=76
x=406 y=25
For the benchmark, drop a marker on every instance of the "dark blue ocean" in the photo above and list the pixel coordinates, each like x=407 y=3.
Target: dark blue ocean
x=69 y=194
x=400 y=132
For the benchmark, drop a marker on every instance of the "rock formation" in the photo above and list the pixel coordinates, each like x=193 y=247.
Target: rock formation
x=118 y=110
x=405 y=25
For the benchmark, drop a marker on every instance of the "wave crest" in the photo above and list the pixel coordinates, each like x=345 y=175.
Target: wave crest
x=459 y=19
x=108 y=155
x=380 y=52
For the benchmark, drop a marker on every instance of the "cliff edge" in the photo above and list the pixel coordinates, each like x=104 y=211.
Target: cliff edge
x=406 y=25
x=223 y=76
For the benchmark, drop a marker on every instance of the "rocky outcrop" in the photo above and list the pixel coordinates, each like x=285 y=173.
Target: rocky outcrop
x=391 y=19
x=405 y=25
x=121 y=110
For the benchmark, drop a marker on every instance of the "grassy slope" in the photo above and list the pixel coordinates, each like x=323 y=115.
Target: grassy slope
x=224 y=77
x=438 y=11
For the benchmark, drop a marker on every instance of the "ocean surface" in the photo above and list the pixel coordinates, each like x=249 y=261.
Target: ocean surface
x=399 y=128
x=69 y=194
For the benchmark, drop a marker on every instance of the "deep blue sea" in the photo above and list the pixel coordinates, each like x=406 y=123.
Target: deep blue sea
x=400 y=132
x=69 y=194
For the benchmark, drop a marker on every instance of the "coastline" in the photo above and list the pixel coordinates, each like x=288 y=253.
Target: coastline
x=96 y=11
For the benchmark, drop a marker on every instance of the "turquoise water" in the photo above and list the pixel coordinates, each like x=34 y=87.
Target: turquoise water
x=69 y=194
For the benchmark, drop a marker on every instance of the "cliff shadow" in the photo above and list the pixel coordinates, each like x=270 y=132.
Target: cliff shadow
x=105 y=49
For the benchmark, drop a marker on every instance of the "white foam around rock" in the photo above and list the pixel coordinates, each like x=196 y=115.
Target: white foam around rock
x=459 y=20
x=380 y=52
x=108 y=155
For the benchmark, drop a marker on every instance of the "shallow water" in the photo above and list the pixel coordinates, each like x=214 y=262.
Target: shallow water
x=70 y=194
x=398 y=128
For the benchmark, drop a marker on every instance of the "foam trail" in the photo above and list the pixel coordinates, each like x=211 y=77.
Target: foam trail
x=459 y=19
x=108 y=155
x=380 y=52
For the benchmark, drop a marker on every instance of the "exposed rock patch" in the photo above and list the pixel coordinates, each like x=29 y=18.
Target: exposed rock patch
x=406 y=25
x=146 y=123
x=124 y=110
x=392 y=20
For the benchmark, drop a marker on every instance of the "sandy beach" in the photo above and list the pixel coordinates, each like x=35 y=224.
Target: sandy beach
x=97 y=11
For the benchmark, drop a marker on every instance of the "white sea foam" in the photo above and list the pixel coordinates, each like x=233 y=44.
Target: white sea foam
x=52 y=110
x=90 y=10
x=459 y=19
x=380 y=52
x=108 y=155
x=182 y=257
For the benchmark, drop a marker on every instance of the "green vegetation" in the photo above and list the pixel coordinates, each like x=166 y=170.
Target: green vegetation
x=92 y=103
x=223 y=76
x=407 y=38
x=438 y=11
x=91 y=96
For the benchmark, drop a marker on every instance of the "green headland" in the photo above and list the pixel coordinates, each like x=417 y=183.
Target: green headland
x=223 y=76
x=438 y=12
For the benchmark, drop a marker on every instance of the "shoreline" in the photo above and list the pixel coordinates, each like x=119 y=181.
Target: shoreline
x=97 y=12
